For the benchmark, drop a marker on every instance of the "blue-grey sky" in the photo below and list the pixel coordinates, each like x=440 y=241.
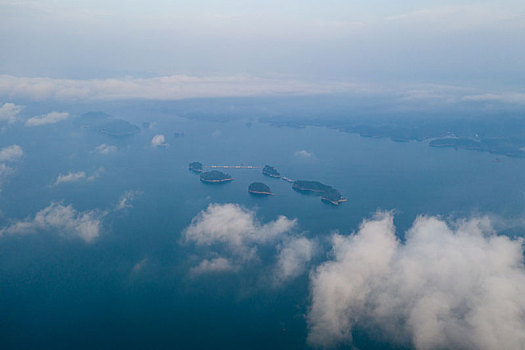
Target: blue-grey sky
x=461 y=43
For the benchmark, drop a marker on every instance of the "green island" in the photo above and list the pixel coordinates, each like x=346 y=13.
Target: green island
x=215 y=176
x=195 y=167
x=328 y=193
x=259 y=188
x=107 y=124
x=271 y=171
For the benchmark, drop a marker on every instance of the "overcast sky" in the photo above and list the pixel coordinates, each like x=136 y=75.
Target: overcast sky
x=462 y=42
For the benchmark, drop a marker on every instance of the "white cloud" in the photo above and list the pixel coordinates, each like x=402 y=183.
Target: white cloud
x=9 y=112
x=65 y=220
x=236 y=229
x=50 y=118
x=160 y=88
x=11 y=153
x=448 y=286
x=105 y=149
x=507 y=97
x=303 y=154
x=293 y=258
x=70 y=177
x=96 y=174
x=126 y=199
x=213 y=265
x=8 y=154
x=158 y=141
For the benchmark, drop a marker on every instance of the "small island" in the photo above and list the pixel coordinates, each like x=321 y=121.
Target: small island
x=271 y=172
x=258 y=188
x=196 y=167
x=328 y=194
x=215 y=176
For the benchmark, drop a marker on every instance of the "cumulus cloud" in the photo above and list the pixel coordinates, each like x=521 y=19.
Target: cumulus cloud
x=126 y=199
x=50 y=118
x=9 y=112
x=303 y=154
x=158 y=141
x=213 y=265
x=62 y=219
x=105 y=149
x=236 y=229
x=70 y=177
x=450 y=285
x=293 y=258
x=11 y=153
x=8 y=155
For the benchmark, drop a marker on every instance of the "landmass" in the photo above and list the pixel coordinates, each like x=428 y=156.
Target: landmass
x=195 y=167
x=260 y=189
x=271 y=172
x=328 y=193
x=106 y=124
x=215 y=176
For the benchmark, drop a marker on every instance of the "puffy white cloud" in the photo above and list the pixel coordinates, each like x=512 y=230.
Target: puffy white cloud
x=236 y=229
x=9 y=112
x=126 y=199
x=50 y=118
x=66 y=220
x=448 y=286
x=105 y=149
x=158 y=141
x=293 y=258
x=303 y=154
x=8 y=154
x=214 y=265
x=70 y=177
x=11 y=153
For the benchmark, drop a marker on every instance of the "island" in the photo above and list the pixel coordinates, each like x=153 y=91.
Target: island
x=215 y=176
x=328 y=194
x=107 y=124
x=258 y=188
x=271 y=172
x=195 y=167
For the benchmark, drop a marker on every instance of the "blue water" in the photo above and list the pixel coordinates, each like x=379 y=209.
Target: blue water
x=61 y=293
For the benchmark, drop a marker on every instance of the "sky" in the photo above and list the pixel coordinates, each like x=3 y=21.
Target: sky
x=309 y=46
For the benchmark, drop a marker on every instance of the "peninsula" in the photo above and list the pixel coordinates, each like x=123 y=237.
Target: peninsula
x=259 y=188
x=328 y=193
x=215 y=176
x=196 y=167
x=271 y=172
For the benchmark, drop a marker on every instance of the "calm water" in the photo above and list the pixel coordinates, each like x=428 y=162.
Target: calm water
x=60 y=293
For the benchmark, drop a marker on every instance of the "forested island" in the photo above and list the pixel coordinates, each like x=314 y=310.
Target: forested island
x=328 y=193
x=195 y=167
x=215 y=176
x=106 y=124
x=259 y=188
x=271 y=171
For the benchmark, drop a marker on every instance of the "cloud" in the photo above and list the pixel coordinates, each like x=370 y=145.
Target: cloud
x=65 y=220
x=8 y=154
x=11 y=153
x=158 y=141
x=78 y=176
x=9 y=112
x=50 y=118
x=236 y=229
x=70 y=177
x=105 y=149
x=213 y=265
x=450 y=285
x=304 y=154
x=293 y=258
x=172 y=87
x=126 y=199
x=507 y=97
